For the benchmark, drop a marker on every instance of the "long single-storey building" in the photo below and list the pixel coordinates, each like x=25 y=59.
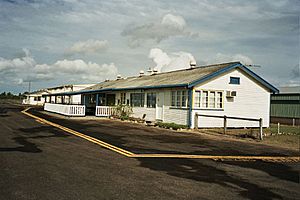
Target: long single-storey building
x=229 y=89
x=38 y=97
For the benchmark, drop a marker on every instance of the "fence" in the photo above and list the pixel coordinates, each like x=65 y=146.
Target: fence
x=227 y=117
x=104 y=111
x=68 y=110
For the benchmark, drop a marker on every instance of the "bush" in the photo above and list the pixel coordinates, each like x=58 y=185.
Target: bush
x=171 y=125
x=123 y=111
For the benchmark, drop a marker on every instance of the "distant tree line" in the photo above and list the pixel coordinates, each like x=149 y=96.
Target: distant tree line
x=9 y=95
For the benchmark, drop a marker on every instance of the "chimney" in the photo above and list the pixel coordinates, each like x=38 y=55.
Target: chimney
x=119 y=77
x=142 y=73
x=192 y=64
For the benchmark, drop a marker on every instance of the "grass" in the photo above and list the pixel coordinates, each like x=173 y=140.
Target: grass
x=285 y=129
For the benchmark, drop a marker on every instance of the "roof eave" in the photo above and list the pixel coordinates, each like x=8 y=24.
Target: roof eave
x=230 y=67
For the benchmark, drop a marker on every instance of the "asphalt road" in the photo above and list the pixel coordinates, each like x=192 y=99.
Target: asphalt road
x=38 y=161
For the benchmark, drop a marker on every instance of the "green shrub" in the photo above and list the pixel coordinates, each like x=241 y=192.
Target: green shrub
x=171 y=125
x=123 y=111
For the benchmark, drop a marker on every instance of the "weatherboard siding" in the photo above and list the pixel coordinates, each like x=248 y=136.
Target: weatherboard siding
x=252 y=101
x=140 y=111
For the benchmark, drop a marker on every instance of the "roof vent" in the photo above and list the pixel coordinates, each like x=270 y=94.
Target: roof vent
x=149 y=71
x=192 y=64
x=142 y=73
x=106 y=80
x=119 y=77
x=155 y=71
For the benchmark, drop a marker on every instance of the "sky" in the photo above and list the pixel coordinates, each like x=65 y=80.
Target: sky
x=57 y=42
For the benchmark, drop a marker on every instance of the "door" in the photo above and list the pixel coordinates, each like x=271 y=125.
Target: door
x=159 y=105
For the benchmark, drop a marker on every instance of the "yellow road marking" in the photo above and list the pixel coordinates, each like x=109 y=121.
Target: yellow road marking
x=266 y=158
x=91 y=139
x=184 y=156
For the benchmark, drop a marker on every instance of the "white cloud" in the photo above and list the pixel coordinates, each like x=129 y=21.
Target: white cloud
x=86 y=70
x=171 y=62
x=87 y=47
x=17 y=64
x=24 y=69
x=222 y=58
x=170 y=25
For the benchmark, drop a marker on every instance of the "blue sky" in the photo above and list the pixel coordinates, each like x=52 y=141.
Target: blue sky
x=50 y=43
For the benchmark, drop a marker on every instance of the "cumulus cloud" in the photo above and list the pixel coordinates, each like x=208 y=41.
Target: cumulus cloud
x=171 y=62
x=86 y=70
x=221 y=58
x=170 y=25
x=87 y=47
x=25 y=69
x=17 y=64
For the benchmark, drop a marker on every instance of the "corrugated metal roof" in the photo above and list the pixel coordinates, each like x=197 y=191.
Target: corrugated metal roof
x=168 y=79
x=180 y=78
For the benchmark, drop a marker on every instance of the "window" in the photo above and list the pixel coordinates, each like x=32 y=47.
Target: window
x=208 y=99
x=234 y=80
x=137 y=99
x=92 y=98
x=197 y=99
x=123 y=98
x=205 y=99
x=212 y=100
x=179 y=99
x=219 y=100
x=151 y=100
x=173 y=100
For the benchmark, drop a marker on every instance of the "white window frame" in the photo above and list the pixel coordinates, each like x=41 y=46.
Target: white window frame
x=199 y=101
x=177 y=99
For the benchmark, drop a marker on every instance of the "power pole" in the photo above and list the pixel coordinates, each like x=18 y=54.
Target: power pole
x=29 y=86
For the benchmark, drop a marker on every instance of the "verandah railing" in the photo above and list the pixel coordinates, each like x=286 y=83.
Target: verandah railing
x=105 y=111
x=68 y=110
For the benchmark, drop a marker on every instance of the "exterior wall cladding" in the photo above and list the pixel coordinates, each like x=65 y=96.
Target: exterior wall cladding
x=252 y=101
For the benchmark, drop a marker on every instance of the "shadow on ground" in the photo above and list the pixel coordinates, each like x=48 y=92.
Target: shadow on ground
x=209 y=172
x=26 y=143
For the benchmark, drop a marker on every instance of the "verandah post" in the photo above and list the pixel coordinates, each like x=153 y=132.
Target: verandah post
x=225 y=124
x=97 y=99
x=196 y=121
x=260 y=129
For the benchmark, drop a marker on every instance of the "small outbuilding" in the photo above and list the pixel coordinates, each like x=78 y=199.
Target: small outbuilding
x=285 y=106
x=230 y=89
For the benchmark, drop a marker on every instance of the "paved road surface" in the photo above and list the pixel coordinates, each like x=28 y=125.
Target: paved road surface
x=41 y=162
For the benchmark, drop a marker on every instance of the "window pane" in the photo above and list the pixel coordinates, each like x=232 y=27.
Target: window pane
x=212 y=101
x=234 y=80
x=197 y=99
x=178 y=98
x=123 y=98
x=151 y=100
x=137 y=99
x=219 y=99
x=173 y=98
x=183 y=99
x=205 y=99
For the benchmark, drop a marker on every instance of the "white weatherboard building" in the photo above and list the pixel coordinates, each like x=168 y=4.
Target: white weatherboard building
x=229 y=89
x=38 y=98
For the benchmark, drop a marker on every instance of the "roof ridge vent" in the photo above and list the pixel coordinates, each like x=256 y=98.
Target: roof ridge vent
x=150 y=71
x=119 y=77
x=193 y=64
x=142 y=73
x=155 y=71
